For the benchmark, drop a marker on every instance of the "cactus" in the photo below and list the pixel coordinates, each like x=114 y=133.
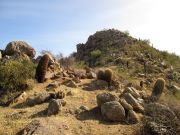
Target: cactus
x=106 y=75
x=42 y=68
x=158 y=89
x=141 y=84
x=100 y=75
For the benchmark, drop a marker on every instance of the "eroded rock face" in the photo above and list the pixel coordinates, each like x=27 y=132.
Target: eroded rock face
x=113 y=111
x=46 y=127
x=105 y=97
x=20 y=48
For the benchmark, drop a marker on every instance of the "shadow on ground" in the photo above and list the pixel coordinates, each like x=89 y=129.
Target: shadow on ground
x=95 y=85
x=95 y=114
x=42 y=113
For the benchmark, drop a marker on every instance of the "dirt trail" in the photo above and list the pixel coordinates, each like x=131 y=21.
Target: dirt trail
x=78 y=122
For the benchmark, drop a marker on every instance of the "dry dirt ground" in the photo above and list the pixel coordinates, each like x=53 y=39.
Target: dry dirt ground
x=76 y=122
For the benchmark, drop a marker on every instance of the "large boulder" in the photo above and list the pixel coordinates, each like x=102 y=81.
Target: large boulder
x=113 y=111
x=20 y=48
x=105 y=97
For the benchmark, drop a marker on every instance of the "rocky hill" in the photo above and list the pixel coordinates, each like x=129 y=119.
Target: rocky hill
x=135 y=57
x=107 y=46
x=131 y=88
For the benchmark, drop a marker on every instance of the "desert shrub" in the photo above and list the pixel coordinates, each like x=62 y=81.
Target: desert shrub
x=15 y=73
x=160 y=120
x=80 y=64
x=171 y=59
x=96 y=53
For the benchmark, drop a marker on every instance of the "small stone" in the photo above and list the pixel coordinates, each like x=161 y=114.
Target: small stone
x=84 y=108
x=71 y=92
x=91 y=75
x=76 y=80
x=71 y=84
x=54 y=107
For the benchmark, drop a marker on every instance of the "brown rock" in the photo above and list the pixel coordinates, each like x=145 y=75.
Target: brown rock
x=132 y=117
x=125 y=104
x=113 y=111
x=38 y=99
x=54 y=107
x=105 y=97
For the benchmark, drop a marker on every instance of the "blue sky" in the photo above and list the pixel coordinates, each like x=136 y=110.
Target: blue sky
x=58 y=25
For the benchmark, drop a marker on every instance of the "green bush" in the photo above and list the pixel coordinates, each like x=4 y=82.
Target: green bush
x=96 y=53
x=14 y=74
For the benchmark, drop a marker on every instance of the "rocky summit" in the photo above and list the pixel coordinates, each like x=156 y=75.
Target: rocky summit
x=113 y=85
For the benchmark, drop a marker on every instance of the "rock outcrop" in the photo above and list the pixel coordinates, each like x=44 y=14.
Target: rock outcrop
x=19 y=48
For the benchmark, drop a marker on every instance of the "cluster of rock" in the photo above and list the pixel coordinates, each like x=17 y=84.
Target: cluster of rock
x=122 y=108
x=72 y=77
